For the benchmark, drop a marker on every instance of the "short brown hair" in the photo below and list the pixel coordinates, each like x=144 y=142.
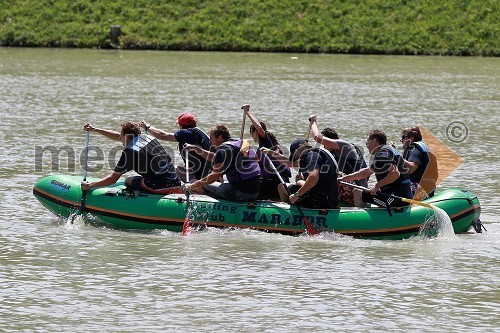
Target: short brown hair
x=220 y=129
x=330 y=133
x=378 y=135
x=414 y=132
x=130 y=128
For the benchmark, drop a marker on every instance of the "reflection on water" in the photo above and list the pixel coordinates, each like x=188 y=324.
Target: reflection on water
x=58 y=277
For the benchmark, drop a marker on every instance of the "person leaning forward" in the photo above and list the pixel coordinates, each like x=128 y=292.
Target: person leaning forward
x=269 y=181
x=239 y=165
x=319 y=189
x=388 y=166
x=188 y=133
x=142 y=154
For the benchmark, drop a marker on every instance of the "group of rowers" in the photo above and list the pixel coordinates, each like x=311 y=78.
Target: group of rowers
x=325 y=168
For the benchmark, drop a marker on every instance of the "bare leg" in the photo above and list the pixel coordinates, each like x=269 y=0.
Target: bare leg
x=283 y=193
x=358 y=199
x=128 y=180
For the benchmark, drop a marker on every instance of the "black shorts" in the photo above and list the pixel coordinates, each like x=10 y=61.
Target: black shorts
x=269 y=189
x=313 y=199
x=153 y=183
x=382 y=199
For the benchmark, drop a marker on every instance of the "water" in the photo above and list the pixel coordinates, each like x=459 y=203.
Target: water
x=437 y=224
x=57 y=276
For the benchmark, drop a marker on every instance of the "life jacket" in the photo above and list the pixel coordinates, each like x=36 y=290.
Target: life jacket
x=426 y=174
x=155 y=160
x=245 y=164
x=398 y=160
x=416 y=176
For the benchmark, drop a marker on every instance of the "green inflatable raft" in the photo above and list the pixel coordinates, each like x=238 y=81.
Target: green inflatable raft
x=118 y=207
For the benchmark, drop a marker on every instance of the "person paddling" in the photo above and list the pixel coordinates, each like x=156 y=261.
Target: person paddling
x=269 y=181
x=319 y=188
x=388 y=166
x=142 y=154
x=349 y=158
x=232 y=159
x=188 y=133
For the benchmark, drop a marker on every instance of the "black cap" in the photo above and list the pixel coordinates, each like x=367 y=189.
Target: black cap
x=293 y=147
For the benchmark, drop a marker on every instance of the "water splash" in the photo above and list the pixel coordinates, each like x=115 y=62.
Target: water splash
x=438 y=224
x=195 y=217
x=74 y=221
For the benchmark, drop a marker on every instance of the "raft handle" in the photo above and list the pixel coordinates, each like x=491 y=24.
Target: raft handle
x=251 y=205
x=323 y=212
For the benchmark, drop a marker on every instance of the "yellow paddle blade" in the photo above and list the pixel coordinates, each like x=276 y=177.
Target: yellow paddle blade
x=447 y=159
x=415 y=202
x=245 y=147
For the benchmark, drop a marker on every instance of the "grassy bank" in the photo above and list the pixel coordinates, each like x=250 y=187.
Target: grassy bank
x=424 y=27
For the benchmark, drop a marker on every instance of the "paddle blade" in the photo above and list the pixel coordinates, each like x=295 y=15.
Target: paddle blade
x=310 y=229
x=418 y=203
x=245 y=147
x=186 y=227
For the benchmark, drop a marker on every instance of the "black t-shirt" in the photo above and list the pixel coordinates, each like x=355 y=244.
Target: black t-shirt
x=327 y=183
x=147 y=157
x=267 y=171
x=265 y=142
x=195 y=136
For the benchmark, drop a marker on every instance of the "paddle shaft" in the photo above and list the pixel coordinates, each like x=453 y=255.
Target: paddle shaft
x=243 y=126
x=187 y=223
x=410 y=201
x=308 y=131
x=85 y=167
x=309 y=227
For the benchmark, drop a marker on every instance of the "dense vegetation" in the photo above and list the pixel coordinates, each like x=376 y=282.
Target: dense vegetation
x=446 y=27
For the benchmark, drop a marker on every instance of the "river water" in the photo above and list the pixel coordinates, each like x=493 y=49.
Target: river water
x=58 y=277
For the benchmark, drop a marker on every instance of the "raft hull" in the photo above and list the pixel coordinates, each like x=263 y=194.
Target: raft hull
x=118 y=207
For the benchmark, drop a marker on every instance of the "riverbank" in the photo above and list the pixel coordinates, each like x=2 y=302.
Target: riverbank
x=453 y=27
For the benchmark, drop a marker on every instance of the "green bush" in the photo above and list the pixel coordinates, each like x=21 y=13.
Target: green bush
x=420 y=27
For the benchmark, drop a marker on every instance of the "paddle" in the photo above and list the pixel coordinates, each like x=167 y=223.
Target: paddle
x=310 y=229
x=186 y=227
x=308 y=131
x=86 y=159
x=243 y=126
x=410 y=201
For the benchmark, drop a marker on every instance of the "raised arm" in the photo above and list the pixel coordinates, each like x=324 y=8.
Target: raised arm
x=320 y=138
x=113 y=135
x=314 y=127
x=156 y=132
x=255 y=121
